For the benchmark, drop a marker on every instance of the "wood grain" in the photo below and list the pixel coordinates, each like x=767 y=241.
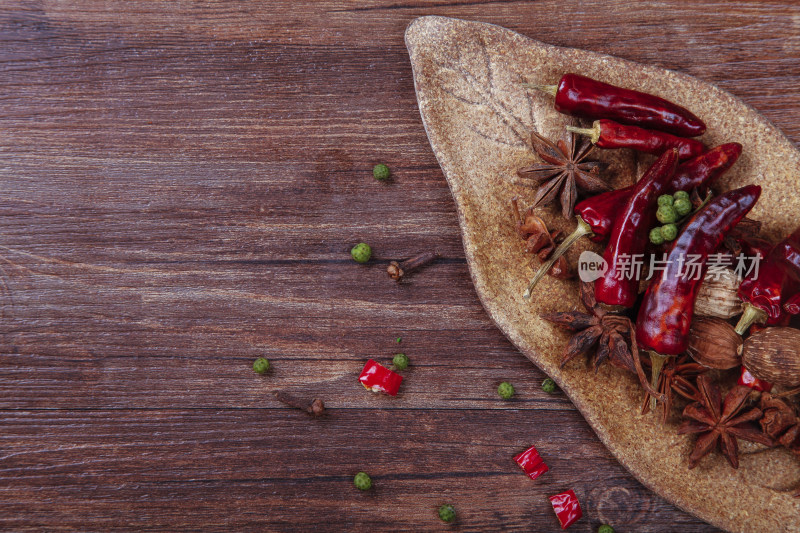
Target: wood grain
x=181 y=183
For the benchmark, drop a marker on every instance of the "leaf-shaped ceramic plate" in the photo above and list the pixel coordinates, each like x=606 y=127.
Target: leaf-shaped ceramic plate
x=478 y=117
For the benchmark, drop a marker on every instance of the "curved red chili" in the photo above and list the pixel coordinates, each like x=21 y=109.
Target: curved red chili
x=665 y=315
x=629 y=237
x=600 y=211
x=584 y=97
x=609 y=134
x=596 y=214
x=766 y=290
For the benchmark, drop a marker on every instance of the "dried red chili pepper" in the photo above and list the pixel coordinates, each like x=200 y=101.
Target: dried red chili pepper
x=567 y=508
x=531 y=462
x=665 y=315
x=596 y=215
x=630 y=234
x=584 y=97
x=766 y=290
x=377 y=378
x=609 y=134
x=749 y=380
x=789 y=253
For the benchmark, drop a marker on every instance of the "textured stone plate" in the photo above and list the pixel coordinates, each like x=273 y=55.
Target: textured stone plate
x=478 y=118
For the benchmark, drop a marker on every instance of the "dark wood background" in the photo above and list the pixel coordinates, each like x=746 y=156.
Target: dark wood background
x=181 y=184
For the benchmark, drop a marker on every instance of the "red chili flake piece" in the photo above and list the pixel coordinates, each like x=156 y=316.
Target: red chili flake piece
x=749 y=380
x=377 y=378
x=567 y=508
x=531 y=462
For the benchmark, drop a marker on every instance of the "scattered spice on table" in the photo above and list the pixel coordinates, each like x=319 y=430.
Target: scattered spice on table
x=567 y=508
x=381 y=172
x=531 y=462
x=447 y=513
x=505 y=390
x=362 y=481
x=377 y=378
x=400 y=361
x=312 y=406
x=261 y=365
x=398 y=271
x=549 y=386
x=361 y=252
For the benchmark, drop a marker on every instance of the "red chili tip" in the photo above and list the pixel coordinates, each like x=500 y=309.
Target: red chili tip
x=531 y=462
x=377 y=378
x=567 y=508
x=749 y=380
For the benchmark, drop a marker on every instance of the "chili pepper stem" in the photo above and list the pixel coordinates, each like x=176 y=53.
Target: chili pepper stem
x=751 y=315
x=582 y=230
x=593 y=133
x=657 y=363
x=549 y=89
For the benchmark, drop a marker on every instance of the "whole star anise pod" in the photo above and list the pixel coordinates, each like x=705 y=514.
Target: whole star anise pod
x=565 y=170
x=676 y=376
x=717 y=422
x=610 y=332
x=780 y=421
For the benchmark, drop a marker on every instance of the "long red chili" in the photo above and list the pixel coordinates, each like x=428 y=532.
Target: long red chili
x=766 y=290
x=584 y=97
x=629 y=237
x=609 y=134
x=596 y=214
x=665 y=315
x=600 y=211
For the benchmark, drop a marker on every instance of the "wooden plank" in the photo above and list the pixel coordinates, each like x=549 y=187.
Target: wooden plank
x=181 y=183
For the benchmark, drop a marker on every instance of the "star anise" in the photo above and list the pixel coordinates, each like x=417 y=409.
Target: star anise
x=719 y=422
x=610 y=332
x=565 y=170
x=780 y=421
x=676 y=376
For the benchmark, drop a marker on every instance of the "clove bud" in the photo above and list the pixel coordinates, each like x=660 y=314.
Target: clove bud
x=314 y=407
x=397 y=270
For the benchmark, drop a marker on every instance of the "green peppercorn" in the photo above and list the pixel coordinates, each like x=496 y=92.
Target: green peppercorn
x=361 y=252
x=605 y=528
x=505 y=390
x=655 y=236
x=260 y=365
x=399 y=339
x=683 y=207
x=362 y=481
x=665 y=200
x=447 y=513
x=549 y=386
x=681 y=195
x=666 y=214
x=380 y=172
x=400 y=361
x=669 y=232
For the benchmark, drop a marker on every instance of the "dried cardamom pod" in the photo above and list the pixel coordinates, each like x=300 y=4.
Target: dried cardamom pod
x=773 y=354
x=714 y=343
x=717 y=296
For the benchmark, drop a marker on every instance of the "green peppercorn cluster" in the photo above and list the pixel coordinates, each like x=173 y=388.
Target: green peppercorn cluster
x=671 y=208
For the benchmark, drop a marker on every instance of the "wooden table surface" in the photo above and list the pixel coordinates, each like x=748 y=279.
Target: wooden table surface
x=181 y=184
